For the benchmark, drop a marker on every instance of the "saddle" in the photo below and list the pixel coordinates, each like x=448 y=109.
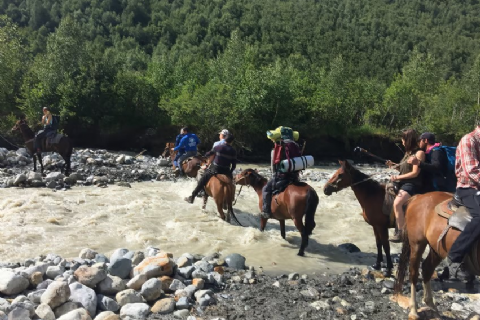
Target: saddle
x=50 y=139
x=458 y=217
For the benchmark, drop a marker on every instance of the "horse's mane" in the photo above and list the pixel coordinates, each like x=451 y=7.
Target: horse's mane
x=27 y=129
x=258 y=179
x=358 y=176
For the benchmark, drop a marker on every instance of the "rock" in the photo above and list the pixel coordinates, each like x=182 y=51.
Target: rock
x=111 y=285
x=155 y=267
x=310 y=292
x=181 y=314
x=101 y=258
x=136 y=282
x=182 y=303
x=56 y=294
x=54 y=176
x=107 y=315
x=152 y=289
x=70 y=180
x=235 y=261
x=84 y=296
x=37 y=183
x=164 y=306
x=121 y=267
x=54 y=271
x=320 y=305
x=35 y=296
x=45 y=312
x=87 y=254
x=183 y=262
x=34 y=176
x=90 y=276
x=166 y=282
x=176 y=285
x=117 y=254
x=36 y=278
x=66 y=308
x=128 y=296
x=51 y=184
x=349 y=247
x=201 y=293
x=19 y=314
x=370 y=305
x=44 y=284
x=293 y=276
x=105 y=303
x=78 y=314
x=199 y=283
x=12 y=283
x=134 y=311
x=19 y=179
x=25 y=304
x=206 y=301
x=186 y=272
x=138 y=257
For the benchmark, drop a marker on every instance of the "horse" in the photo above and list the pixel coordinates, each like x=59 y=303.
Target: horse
x=222 y=189
x=63 y=147
x=424 y=226
x=370 y=194
x=168 y=150
x=297 y=200
x=191 y=166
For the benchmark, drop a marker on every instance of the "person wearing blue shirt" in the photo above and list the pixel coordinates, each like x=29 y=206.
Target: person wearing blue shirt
x=181 y=151
x=223 y=134
x=189 y=143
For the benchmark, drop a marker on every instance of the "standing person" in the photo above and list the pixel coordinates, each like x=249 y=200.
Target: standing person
x=180 y=151
x=409 y=181
x=285 y=148
x=47 y=122
x=467 y=169
x=189 y=143
x=435 y=166
x=224 y=163
x=223 y=134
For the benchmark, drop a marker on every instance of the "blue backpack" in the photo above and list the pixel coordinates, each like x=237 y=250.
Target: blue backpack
x=450 y=177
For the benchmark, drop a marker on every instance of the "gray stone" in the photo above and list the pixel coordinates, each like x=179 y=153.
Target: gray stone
x=54 y=271
x=320 y=305
x=56 y=294
x=203 y=266
x=19 y=179
x=35 y=296
x=128 y=296
x=51 y=184
x=19 y=314
x=152 y=289
x=12 y=283
x=134 y=311
x=293 y=276
x=176 y=285
x=87 y=253
x=78 y=314
x=26 y=304
x=138 y=257
x=111 y=285
x=90 y=276
x=164 y=306
x=182 y=303
x=101 y=258
x=151 y=251
x=5 y=305
x=37 y=183
x=121 y=267
x=186 y=272
x=34 y=176
x=44 y=284
x=137 y=282
x=181 y=314
x=65 y=308
x=235 y=261
x=199 y=274
x=206 y=300
x=54 y=176
x=107 y=315
x=117 y=254
x=45 y=312
x=84 y=296
x=105 y=303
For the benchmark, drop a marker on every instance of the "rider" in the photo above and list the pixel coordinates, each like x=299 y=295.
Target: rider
x=181 y=151
x=47 y=122
x=409 y=180
x=435 y=165
x=189 y=143
x=224 y=163
x=467 y=170
x=223 y=134
x=285 y=147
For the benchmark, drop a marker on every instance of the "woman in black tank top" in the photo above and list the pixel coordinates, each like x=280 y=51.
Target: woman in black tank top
x=409 y=179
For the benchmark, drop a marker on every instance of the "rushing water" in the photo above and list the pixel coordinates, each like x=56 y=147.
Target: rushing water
x=40 y=221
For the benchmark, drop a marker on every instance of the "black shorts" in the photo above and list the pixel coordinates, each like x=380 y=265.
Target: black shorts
x=410 y=188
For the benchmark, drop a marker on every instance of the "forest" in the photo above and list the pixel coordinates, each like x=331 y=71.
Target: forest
x=339 y=68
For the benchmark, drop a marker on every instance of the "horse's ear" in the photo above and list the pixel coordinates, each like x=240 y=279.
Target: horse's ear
x=342 y=163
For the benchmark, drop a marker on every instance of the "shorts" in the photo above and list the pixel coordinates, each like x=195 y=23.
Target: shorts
x=409 y=188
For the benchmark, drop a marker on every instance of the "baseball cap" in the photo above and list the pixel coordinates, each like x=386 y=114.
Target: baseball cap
x=429 y=136
x=225 y=132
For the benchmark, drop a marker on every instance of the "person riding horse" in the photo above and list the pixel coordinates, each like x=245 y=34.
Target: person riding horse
x=47 y=122
x=224 y=163
x=181 y=151
x=285 y=148
x=189 y=143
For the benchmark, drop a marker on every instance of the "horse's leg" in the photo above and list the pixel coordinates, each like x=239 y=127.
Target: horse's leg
x=219 y=203
x=39 y=155
x=205 y=199
x=34 y=162
x=282 y=228
x=417 y=249
x=428 y=267
x=298 y=223
x=378 y=241
x=386 y=248
x=263 y=224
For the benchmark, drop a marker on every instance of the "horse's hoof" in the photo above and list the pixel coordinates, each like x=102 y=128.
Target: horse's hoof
x=301 y=254
x=387 y=273
x=376 y=266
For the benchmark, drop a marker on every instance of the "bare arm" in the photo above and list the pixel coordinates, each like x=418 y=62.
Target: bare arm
x=420 y=155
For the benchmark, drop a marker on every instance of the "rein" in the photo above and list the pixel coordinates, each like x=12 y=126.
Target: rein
x=361 y=181
x=238 y=194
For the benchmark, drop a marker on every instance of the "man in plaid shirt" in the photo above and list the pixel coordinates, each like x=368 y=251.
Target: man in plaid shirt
x=467 y=170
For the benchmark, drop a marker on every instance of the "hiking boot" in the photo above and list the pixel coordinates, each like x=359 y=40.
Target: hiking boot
x=397 y=237
x=457 y=270
x=201 y=194
x=189 y=199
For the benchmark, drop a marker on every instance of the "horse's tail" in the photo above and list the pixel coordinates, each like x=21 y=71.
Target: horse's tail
x=311 y=207
x=230 y=204
x=403 y=264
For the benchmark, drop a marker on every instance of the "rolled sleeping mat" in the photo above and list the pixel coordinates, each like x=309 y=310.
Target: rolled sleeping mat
x=296 y=164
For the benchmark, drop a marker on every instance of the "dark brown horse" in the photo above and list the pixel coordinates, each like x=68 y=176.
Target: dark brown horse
x=423 y=227
x=370 y=194
x=63 y=147
x=222 y=189
x=298 y=200
x=191 y=166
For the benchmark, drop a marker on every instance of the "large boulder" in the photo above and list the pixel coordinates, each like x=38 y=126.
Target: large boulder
x=87 y=253
x=155 y=267
x=107 y=315
x=66 y=308
x=111 y=285
x=117 y=254
x=235 y=261
x=121 y=267
x=105 y=303
x=152 y=289
x=137 y=282
x=44 y=312
x=90 y=276
x=12 y=283
x=134 y=311
x=128 y=296
x=78 y=314
x=164 y=306
x=84 y=296
x=56 y=294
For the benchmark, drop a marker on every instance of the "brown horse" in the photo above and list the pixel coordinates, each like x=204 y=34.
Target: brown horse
x=296 y=201
x=423 y=226
x=222 y=189
x=370 y=194
x=191 y=166
x=63 y=147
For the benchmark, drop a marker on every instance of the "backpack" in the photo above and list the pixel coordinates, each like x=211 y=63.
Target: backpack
x=450 y=177
x=55 y=122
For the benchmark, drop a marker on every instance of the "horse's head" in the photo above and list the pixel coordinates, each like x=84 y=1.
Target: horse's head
x=167 y=152
x=341 y=179
x=248 y=177
x=18 y=124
